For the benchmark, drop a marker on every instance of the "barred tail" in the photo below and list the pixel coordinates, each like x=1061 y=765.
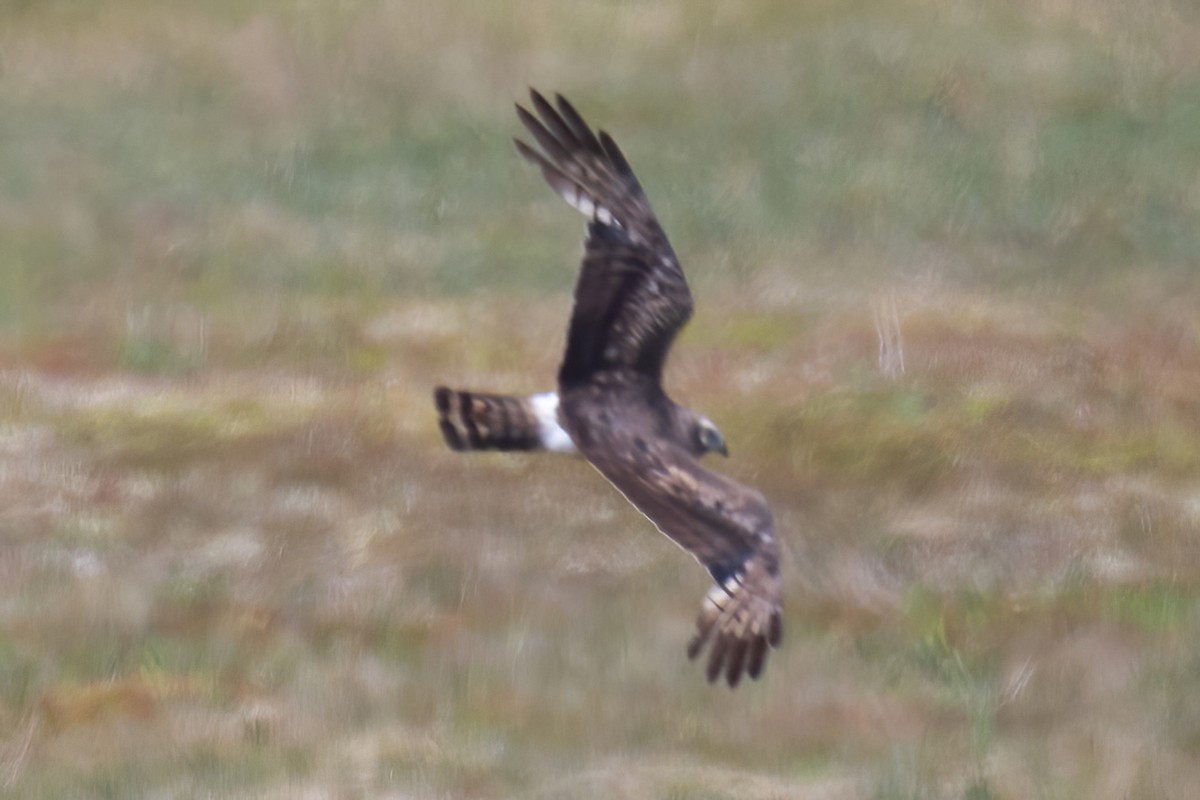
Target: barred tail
x=478 y=421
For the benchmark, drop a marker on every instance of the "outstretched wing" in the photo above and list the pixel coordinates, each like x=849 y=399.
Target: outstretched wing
x=726 y=526
x=631 y=297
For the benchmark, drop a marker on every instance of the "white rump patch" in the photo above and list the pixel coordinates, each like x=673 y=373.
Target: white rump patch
x=545 y=408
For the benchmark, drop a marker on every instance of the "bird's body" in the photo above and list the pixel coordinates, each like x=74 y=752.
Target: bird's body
x=631 y=299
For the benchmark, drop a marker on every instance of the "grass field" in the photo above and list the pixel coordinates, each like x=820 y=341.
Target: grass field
x=946 y=257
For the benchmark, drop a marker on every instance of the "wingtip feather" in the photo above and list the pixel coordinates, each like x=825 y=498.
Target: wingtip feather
x=527 y=152
x=742 y=618
x=716 y=658
x=609 y=145
x=734 y=662
x=775 y=630
x=541 y=104
x=756 y=658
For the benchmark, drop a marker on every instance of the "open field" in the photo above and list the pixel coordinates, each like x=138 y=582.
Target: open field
x=239 y=245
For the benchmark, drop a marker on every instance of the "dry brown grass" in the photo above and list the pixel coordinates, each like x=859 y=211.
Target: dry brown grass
x=286 y=576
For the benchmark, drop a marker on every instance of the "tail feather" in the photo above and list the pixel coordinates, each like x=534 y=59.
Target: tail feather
x=478 y=421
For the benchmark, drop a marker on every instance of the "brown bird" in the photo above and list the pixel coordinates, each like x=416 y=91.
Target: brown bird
x=631 y=299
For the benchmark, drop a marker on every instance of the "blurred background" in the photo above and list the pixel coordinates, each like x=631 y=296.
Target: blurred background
x=946 y=256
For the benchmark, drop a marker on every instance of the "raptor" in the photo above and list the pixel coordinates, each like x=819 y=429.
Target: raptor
x=631 y=299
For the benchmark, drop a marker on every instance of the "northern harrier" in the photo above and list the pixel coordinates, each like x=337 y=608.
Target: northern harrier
x=630 y=300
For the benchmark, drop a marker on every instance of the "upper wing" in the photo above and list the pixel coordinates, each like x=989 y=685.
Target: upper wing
x=725 y=525
x=631 y=297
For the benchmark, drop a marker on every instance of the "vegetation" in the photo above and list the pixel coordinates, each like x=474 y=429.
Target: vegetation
x=239 y=243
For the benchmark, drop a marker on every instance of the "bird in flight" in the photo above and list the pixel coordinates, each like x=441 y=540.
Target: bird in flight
x=631 y=299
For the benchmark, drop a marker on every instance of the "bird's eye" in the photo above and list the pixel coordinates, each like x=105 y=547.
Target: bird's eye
x=709 y=438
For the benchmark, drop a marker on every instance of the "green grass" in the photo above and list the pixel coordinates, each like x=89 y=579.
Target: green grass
x=239 y=245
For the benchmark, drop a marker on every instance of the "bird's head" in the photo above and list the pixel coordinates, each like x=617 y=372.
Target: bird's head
x=708 y=438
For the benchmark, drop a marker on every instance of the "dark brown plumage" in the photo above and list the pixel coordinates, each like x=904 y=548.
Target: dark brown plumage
x=631 y=299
